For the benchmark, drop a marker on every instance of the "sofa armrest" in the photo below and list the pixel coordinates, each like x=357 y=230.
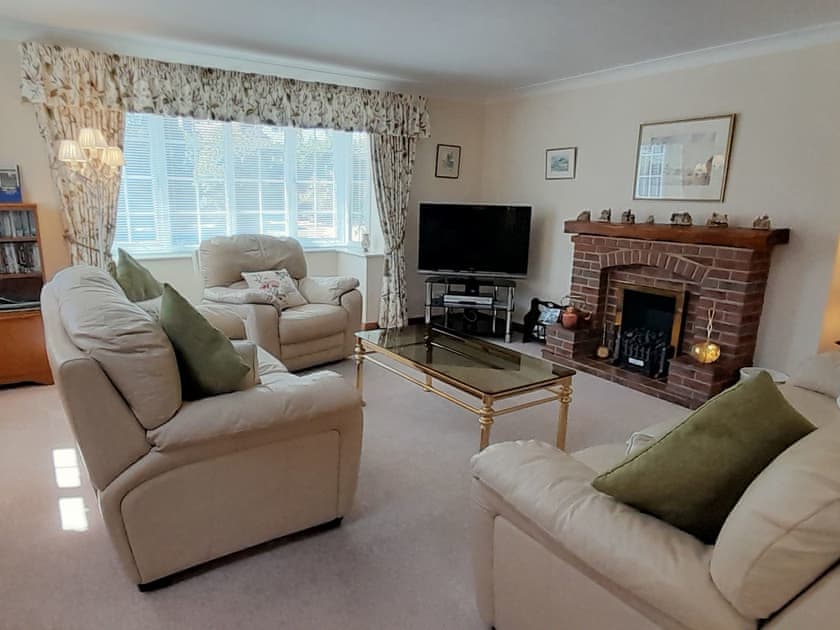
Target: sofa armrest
x=228 y=295
x=549 y=496
x=327 y=289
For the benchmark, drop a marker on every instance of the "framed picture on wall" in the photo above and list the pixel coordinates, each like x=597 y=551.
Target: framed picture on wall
x=560 y=163
x=684 y=160
x=448 y=161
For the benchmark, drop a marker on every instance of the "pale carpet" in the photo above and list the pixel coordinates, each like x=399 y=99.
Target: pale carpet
x=401 y=560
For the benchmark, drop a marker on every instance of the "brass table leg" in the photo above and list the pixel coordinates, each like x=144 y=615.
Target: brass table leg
x=485 y=419
x=428 y=386
x=359 y=356
x=565 y=398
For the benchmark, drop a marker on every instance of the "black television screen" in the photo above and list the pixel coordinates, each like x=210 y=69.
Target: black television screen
x=474 y=238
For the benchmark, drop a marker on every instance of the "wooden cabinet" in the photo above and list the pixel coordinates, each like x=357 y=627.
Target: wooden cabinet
x=23 y=357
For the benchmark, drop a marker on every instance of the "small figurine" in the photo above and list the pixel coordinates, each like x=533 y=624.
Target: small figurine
x=586 y=216
x=606 y=215
x=718 y=220
x=628 y=217
x=650 y=220
x=681 y=218
x=761 y=223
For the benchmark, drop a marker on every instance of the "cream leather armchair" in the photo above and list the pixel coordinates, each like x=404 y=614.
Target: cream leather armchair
x=551 y=553
x=183 y=482
x=302 y=336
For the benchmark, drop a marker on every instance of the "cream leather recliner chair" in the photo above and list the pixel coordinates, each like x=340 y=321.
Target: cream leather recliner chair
x=301 y=336
x=552 y=553
x=183 y=482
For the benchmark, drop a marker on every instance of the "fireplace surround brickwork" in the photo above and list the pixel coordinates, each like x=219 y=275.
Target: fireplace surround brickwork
x=730 y=279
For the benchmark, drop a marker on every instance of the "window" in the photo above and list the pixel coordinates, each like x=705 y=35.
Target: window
x=651 y=161
x=186 y=180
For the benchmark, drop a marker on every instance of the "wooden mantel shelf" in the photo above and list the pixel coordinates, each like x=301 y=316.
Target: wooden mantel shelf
x=745 y=238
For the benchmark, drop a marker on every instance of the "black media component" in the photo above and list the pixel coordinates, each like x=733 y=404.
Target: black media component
x=474 y=239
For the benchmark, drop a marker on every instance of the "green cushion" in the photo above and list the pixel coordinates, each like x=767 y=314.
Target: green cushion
x=208 y=362
x=136 y=281
x=694 y=475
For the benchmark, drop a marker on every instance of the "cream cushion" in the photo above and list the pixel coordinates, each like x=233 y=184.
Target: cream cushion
x=311 y=321
x=820 y=373
x=266 y=411
x=785 y=530
x=222 y=259
x=278 y=283
x=125 y=341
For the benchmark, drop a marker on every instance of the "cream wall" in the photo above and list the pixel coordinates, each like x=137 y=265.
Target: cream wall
x=22 y=144
x=457 y=123
x=783 y=164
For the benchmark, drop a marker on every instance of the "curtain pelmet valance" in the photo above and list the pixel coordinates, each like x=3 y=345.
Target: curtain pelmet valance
x=56 y=76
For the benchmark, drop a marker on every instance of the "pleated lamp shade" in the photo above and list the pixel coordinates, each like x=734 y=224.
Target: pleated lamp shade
x=113 y=156
x=71 y=151
x=90 y=138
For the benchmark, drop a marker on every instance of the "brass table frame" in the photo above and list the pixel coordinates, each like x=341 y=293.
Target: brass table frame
x=560 y=390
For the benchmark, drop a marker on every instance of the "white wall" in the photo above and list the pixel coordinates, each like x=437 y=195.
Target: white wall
x=456 y=123
x=784 y=163
x=22 y=144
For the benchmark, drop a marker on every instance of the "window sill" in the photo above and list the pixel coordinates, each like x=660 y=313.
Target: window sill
x=307 y=250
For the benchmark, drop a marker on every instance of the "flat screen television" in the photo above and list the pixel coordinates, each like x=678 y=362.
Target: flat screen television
x=474 y=239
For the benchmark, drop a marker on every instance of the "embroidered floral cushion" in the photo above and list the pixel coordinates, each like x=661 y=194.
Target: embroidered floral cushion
x=277 y=283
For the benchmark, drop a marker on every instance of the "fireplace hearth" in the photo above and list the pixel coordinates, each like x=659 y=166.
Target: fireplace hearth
x=650 y=287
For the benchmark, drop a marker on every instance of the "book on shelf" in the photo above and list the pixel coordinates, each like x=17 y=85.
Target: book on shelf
x=10 y=185
x=20 y=258
x=17 y=223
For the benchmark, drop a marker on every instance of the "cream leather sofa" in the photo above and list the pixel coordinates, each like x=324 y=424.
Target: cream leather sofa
x=301 y=336
x=552 y=553
x=183 y=482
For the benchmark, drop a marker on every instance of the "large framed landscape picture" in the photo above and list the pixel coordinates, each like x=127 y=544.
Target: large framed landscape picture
x=684 y=160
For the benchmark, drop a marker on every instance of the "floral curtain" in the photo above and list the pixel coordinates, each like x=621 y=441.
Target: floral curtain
x=73 y=77
x=89 y=205
x=392 y=160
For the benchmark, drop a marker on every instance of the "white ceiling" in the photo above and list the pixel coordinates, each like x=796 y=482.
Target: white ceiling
x=460 y=48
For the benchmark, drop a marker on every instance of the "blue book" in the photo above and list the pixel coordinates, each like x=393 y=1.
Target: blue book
x=10 y=185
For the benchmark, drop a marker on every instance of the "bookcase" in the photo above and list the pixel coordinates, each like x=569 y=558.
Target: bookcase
x=23 y=357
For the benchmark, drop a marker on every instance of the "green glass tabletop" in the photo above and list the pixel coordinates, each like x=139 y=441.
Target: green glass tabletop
x=472 y=362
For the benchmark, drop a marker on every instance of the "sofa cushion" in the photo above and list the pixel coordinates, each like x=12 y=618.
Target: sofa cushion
x=281 y=406
x=602 y=457
x=138 y=282
x=818 y=408
x=124 y=339
x=311 y=321
x=785 y=531
x=820 y=373
x=208 y=362
x=694 y=475
x=222 y=259
x=551 y=491
x=279 y=284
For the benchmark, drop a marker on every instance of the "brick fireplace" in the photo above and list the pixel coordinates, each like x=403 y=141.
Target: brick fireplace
x=703 y=267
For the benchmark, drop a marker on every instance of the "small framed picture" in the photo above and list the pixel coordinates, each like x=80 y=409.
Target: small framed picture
x=448 y=161
x=560 y=163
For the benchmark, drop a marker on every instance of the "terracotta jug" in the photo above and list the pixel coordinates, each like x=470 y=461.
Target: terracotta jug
x=569 y=318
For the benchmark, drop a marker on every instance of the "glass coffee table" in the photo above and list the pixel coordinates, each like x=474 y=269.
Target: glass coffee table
x=471 y=365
